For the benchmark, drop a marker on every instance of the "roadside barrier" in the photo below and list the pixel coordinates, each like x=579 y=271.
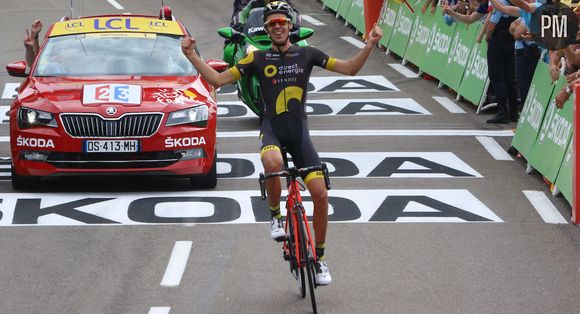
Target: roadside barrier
x=449 y=53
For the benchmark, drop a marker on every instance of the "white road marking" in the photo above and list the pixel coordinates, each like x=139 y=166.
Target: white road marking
x=10 y=90
x=328 y=133
x=404 y=70
x=544 y=207
x=311 y=20
x=159 y=310
x=357 y=43
x=493 y=148
x=448 y=104
x=115 y=4
x=177 y=264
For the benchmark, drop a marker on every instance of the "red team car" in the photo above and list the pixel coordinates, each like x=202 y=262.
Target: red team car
x=113 y=94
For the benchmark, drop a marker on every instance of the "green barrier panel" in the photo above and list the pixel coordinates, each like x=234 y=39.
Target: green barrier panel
x=434 y=60
x=402 y=31
x=332 y=4
x=463 y=40
x=564 y=180
x=533 y=110
x=387 y=20
x=360 y=25
x=343 y=8
x=354 y=13
x=475 y=76
x=550 y=146
x=419 y=37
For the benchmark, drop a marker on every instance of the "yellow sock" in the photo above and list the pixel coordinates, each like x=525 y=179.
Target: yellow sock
x=275 y=211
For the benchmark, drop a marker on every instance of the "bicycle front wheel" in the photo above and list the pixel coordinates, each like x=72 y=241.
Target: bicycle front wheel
x=297 y=272
x=307 y=256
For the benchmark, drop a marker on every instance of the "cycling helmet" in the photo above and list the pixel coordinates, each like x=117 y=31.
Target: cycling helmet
x=277 y=7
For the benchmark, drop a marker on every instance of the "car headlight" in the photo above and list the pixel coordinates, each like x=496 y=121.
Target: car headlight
x=196 y=116
x=28 y=117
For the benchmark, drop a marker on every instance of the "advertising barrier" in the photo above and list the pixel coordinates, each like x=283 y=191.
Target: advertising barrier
x=402 y=31
x=544 y=135
x=463 y=40
x=332 y=4
x=436 y=52
x=548 y=151
x=473 y=84
x=419 y=37
x=533 y=110
x=387 y=20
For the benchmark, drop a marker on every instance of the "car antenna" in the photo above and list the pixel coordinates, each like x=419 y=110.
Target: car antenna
x=71 y=9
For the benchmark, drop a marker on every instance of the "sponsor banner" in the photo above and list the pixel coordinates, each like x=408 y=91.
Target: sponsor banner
x=332 y=4
x=434 y=59
x=387 y=20
x=115 y=24
x=552 y=141
x=419 y=37
x=344 y=8
x=338 y=84
x=337 y=107
x=564 y=179
x=231 y=207
x=362 y=165
x=475 y=75
x=533 y=110
x=463 y=40
x=402 y=30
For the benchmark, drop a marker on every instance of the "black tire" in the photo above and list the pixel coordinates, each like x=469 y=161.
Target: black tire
x=20 y=182
x=298 y=272
x=206 y=181
x=308 y=262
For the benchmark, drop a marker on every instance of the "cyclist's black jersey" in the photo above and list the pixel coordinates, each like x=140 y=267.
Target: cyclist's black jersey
x=283 y=77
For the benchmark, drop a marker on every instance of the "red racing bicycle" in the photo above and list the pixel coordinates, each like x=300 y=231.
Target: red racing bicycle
x=298 y=247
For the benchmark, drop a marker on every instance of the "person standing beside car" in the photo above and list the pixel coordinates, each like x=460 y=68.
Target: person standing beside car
x=283 y=73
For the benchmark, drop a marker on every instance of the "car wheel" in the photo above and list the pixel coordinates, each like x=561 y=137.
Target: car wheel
x=208 y=180
x=22 y=182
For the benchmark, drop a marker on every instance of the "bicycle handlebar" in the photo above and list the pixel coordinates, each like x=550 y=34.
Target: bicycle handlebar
x=292 y=173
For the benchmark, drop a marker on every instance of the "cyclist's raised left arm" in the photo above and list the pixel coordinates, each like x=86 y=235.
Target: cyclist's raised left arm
x=354 y=64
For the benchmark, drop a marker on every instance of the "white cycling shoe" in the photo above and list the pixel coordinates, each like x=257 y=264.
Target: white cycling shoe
x=277 y=229
x=323 y=277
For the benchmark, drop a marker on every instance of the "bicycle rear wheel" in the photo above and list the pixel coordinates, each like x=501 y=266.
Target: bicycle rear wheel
x=308 y=261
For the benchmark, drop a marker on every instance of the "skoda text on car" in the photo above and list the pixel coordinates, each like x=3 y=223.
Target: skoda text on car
x=113 y=94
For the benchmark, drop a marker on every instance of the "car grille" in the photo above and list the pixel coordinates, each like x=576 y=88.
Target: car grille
x=129 y=125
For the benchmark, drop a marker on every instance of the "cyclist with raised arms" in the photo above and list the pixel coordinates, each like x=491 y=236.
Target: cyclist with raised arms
x=283 y=73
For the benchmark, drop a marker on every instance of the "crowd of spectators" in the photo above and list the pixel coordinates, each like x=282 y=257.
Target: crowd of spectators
x=512 y=54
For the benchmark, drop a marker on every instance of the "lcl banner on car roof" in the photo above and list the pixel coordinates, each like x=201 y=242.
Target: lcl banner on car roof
x=116 y=24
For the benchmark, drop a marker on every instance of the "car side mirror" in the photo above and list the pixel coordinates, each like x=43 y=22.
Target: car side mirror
x=218 y=65
x=17 y=68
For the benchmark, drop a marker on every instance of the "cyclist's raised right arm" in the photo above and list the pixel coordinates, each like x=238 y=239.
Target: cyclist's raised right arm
x=214 y=77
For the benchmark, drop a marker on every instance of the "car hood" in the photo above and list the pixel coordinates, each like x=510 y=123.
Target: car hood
x=133 y=93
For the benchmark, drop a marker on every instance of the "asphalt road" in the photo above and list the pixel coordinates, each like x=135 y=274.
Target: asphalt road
x=424 y=219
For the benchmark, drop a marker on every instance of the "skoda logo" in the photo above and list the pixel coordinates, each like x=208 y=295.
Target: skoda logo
x=111 y=110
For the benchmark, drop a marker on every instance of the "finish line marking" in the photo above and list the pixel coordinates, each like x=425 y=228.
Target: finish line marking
x=177 y=264
x=328 y=133
x=544 y=207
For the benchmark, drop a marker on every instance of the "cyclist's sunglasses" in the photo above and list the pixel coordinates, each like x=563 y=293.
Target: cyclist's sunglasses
x=282 y=21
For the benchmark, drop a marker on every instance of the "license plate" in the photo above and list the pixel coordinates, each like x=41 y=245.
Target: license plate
x=111 y=146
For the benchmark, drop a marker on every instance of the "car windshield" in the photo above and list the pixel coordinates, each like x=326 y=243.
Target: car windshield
x=255 y=24
x=114 y=54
